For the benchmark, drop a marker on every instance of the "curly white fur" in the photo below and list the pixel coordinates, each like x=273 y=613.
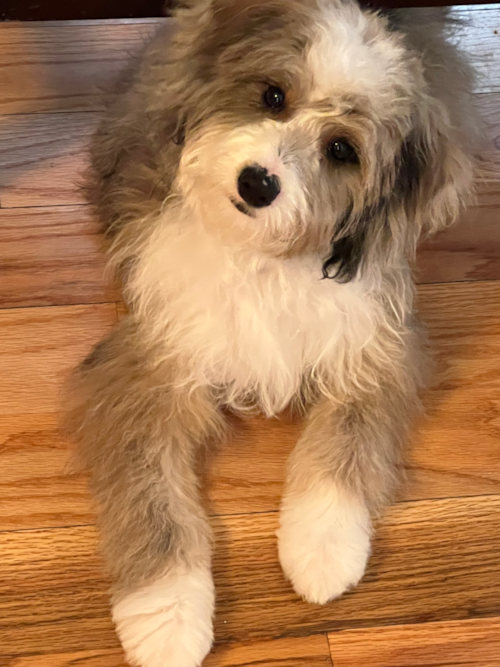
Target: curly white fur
x=324 y=542
x=169 y=622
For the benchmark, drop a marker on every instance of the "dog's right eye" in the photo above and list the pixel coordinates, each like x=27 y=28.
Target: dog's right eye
x=341 y=151
x=274 y=98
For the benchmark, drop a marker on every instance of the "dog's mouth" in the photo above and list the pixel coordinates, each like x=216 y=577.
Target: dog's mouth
x=242 y=208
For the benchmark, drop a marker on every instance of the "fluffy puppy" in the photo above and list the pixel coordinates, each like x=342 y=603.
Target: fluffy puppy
x=264 y=176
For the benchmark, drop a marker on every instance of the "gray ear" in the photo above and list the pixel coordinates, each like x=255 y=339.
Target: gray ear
x=433 y=172
x=430 y=181
x=411 y=166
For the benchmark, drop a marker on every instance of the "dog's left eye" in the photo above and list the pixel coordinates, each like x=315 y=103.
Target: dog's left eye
x=274 y=98
x=341 y=151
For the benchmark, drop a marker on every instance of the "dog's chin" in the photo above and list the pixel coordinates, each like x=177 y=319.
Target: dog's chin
x=242 y=208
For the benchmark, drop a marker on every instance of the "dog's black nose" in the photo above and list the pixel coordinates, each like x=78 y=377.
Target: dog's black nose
x=257 y=188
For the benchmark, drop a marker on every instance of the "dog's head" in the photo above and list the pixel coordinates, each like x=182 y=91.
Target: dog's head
x=309 y=126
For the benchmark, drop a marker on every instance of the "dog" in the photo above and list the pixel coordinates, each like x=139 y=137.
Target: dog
x=263 y=177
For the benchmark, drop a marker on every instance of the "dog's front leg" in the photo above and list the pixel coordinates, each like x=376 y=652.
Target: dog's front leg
x=138 y=426
x=344 y=468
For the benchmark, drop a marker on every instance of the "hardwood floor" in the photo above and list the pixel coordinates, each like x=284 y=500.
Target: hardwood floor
x=431 y=596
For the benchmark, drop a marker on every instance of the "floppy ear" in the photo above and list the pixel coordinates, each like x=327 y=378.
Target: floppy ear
x=425 y=188
x=434 y=172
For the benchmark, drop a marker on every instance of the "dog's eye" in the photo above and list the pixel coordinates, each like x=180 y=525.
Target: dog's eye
x=341 y=151
x=274 y=98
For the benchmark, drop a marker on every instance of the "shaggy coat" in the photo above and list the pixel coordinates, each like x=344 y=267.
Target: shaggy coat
x=364 y=124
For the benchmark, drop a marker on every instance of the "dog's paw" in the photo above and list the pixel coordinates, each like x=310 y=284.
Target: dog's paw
x=324 y=542
x=169 y=622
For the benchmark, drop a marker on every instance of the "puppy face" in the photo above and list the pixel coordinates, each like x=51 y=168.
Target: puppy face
x=310 y=129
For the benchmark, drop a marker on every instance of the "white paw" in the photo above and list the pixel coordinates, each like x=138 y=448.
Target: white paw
x=323 y=542
x=169 y=622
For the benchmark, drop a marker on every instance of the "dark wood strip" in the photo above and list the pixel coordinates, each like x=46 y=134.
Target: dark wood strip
x=26 y=10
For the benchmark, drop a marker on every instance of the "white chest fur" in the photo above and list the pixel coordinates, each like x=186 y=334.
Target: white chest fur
x=253 y=324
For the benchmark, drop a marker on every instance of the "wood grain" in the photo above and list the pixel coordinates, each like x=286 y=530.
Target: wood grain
x=468 y=250
x=43 y=157
x=38 y=347
x=36 y=485
x=475 y=643
x=432 y=560
x=51 y=256
x=64 y=67
x=99 y=658
x=291 y=652
x=479 y=38
x=487 y=186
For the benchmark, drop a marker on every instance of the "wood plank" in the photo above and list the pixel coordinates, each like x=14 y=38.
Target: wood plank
x=469 y=250
x=36 y=487
x=432 y=561
x=51 y=256
x=479 y=38
x=41 y=344
x=64 y=67
x=452 y=312
x=487 y=185
x=53 y=593
x=475 y=643
x=99 y=658
x=42 y=158
x=291 y=652
x=38 y=347
x=454 y=450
